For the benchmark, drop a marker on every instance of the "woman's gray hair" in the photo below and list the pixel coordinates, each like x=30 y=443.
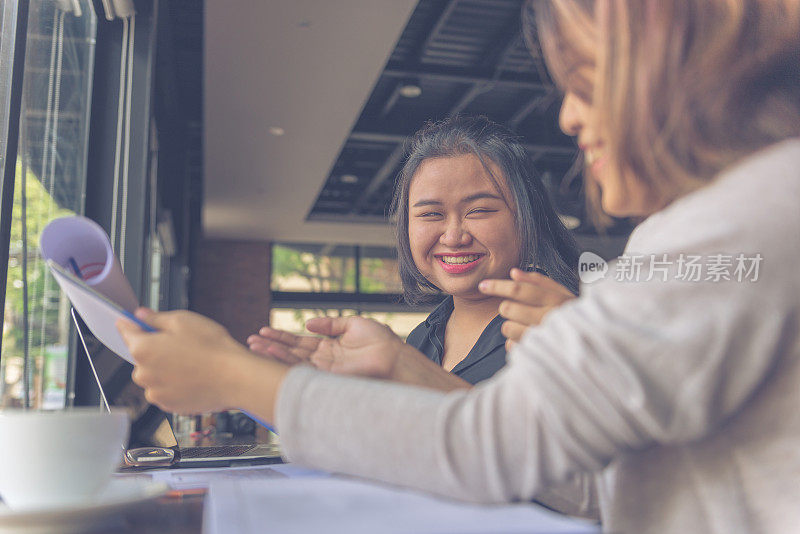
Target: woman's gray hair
x=545 y=243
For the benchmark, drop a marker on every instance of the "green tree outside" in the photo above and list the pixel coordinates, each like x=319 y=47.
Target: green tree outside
x=43 y=294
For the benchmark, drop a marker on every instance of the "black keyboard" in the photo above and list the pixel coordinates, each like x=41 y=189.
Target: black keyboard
x=216 y=452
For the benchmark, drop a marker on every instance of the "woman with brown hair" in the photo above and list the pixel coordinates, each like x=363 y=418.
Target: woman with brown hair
x=679 y=387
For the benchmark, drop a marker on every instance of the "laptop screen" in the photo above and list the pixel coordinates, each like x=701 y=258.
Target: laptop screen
x=149 y=425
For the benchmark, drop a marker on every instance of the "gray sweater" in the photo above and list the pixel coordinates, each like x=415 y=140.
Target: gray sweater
x=682 y=396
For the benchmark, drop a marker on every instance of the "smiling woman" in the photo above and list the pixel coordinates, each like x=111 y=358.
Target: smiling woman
x=468 y=207
x=461 y=227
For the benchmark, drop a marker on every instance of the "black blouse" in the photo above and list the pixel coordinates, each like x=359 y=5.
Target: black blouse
x=485 y=358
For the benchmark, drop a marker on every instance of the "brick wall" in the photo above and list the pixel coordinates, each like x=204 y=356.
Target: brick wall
x=230 y=284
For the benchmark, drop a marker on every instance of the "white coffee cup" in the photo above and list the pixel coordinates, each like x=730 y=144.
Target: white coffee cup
x=50 y=459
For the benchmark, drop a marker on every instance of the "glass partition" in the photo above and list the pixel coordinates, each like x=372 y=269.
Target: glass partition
x=313 y=268
x=50 y=183
x=294 y=320
x=326 y=268
x=8 y=19
x=316 y=280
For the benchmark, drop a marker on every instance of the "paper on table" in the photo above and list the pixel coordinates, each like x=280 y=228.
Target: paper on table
x=82 y=241
x=337 y=504
x=203 y=477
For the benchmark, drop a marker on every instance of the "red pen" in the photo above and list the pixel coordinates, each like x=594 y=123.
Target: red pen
x=184 y=493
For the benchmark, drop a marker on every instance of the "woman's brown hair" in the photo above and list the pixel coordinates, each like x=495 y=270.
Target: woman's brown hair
x=683 y=88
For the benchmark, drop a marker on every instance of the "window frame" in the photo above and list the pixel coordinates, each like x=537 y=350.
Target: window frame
x=12 y=144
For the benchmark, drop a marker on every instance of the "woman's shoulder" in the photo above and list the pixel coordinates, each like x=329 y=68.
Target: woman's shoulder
x=751 y=206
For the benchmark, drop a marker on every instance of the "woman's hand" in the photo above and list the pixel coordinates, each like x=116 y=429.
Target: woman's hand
x=285 y=346
x=528 y=297
x=358 y=346
x=192 y=365
x=367 y=348
x=353 y=346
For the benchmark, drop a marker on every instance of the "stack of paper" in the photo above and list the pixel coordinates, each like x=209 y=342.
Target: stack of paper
x=336 y=504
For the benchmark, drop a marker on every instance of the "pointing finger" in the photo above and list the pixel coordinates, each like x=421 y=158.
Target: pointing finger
x=540 y=279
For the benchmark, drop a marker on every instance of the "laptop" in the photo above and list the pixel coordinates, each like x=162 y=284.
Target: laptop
x=152 y=442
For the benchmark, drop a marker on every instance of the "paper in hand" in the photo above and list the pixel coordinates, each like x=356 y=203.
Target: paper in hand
x=80 y=256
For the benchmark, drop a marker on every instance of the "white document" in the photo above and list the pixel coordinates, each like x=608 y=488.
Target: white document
x=99 y=313
x=79 y=243
x=342 y=505
x=203 y=477
x=79 y=254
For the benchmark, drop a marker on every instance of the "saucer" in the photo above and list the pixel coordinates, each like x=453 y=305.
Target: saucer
x=120 y=494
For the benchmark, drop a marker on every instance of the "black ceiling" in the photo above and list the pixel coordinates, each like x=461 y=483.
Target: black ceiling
x=468 y=57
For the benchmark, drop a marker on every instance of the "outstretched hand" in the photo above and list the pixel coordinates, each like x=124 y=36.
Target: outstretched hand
x=528 y=297
x=355 y=346
x=285 y=346
x=365 y=347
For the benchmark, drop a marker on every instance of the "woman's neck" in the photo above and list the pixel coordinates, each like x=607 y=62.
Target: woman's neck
x=475 y=310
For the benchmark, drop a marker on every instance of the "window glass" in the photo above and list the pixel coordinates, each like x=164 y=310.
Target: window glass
x=378 y=272
x=294 y=320
x=318 y=268
x=50 y=183
x=313 y=268
x=401 y=323
x=8 y=20
x=322 y=268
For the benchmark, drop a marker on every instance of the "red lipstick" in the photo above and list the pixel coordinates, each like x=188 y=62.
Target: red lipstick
x=458 y=268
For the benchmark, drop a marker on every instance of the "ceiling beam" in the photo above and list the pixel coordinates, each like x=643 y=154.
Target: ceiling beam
x=505 y=41
x=392 y=100
x=436 y=23
x=377 y=137
x=535 y=103
x=460 y=76
x=381 y=175
x=468 y=96
x=380 y=137
x=447 y=9
x=347 y=218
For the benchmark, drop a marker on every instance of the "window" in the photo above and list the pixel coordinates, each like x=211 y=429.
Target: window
x=294 y=320
x=319 y=268
x=313 y=268
x=314 y=280
x=50 y=183
x=378 y=270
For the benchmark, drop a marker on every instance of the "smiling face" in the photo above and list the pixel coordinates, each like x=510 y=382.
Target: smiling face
x=622 y=194
x=460 y=229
